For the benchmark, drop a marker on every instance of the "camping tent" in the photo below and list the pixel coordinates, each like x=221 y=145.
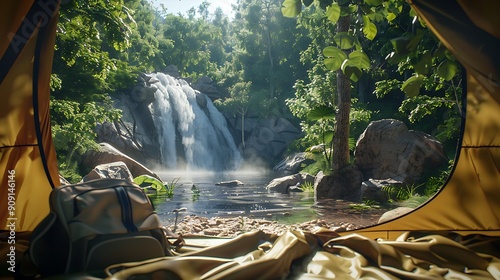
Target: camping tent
x=469 y=203
x=27 y=157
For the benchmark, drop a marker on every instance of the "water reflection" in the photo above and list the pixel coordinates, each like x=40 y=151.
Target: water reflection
x=251 y=200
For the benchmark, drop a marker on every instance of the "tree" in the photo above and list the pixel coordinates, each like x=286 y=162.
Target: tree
x=81 y=69
x=348 y=56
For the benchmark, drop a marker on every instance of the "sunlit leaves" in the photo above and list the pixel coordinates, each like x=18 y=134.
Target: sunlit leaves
x=291 y=8
x=333 y=12
x=447 y=70
x=321 y=112
x=354 y=66
x=359 y=59
x=411 y=87
x=334 y=58
x=344 y=40
x=374 y=2
x=369 y=28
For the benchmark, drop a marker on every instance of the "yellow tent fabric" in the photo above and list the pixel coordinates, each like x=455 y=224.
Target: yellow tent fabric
x=469 y=202
x=27 y=158
x=453 y=236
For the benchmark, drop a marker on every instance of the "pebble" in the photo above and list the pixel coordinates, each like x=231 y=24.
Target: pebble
x=233 y=226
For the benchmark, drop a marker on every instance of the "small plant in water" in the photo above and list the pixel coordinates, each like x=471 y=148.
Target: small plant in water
x=307 y=187
x=168 y=188
x=365 y=205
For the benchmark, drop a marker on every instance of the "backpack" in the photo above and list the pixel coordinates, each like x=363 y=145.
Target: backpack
x=95 y=224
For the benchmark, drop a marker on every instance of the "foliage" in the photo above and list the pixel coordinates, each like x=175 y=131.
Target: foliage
x=365 y=205
x=81 y=73
x=319 y=164
x=73 y=126
x=400 y=193
x=264 y=63
x=415 y=64
x=307 y=187
x=169 y=188
x=434 y=183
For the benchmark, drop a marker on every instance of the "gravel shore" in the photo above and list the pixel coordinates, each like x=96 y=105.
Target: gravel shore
x=230 y=227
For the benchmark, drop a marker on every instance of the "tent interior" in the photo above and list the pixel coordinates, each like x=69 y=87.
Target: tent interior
x=453 y=235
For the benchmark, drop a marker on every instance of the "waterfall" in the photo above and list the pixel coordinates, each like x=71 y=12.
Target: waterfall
x=191 y=136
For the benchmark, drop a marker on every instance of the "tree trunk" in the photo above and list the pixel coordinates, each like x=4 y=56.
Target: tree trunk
x=267 y=26
x=341 y=137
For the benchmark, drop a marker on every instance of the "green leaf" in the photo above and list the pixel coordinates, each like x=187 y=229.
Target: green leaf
x=344 y=40
x=359 y=59
x=369 y=28
x=411 y=87
x=333 y=63
x=291 y=8
x=348 y=10
x=328 y=136
x=376 y=17
x=332 y=51
x=390 y=17
x=414 y=41
x=395 y=58
x=413 y=13
x=322 y=112
x=334 y=58
x=424 y=64
x=447 y=70
x=333 y=12
x=374 y=2
x=353 y=72
x=399 y=44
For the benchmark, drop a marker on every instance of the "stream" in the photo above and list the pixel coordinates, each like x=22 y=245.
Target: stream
x=251 y=199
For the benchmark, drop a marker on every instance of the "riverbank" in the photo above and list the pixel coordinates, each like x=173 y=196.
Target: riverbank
x=233 y=226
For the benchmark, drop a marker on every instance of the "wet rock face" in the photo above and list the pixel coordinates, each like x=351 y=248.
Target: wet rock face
x=387 y=149
x=265 y=139
x=108 y=154
x=287 y=183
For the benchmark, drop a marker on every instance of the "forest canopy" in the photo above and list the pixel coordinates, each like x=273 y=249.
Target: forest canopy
x=294 y=59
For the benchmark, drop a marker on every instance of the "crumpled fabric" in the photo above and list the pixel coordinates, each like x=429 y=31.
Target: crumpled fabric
x=299 y=255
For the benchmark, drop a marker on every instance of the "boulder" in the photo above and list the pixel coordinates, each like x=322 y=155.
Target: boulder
x=345 y=185
x=387 y=149
x=172 y=70
x=143 y=91
x=393 y=214
x=114 y=170
x=373 y=189
x=109 y=154
x=207 y=86
x=268 y=140
x=116 y=134
x=291 y=164
x=283 y=184
x=232 y=183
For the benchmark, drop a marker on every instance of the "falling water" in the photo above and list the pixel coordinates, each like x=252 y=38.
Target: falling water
x=191 y=136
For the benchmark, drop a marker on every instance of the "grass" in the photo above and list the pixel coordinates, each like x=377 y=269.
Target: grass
x=307 y=187
x=169 y=188
x=365 y=205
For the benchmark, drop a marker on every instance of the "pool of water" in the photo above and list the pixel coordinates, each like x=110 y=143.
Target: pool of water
x=251 y=199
